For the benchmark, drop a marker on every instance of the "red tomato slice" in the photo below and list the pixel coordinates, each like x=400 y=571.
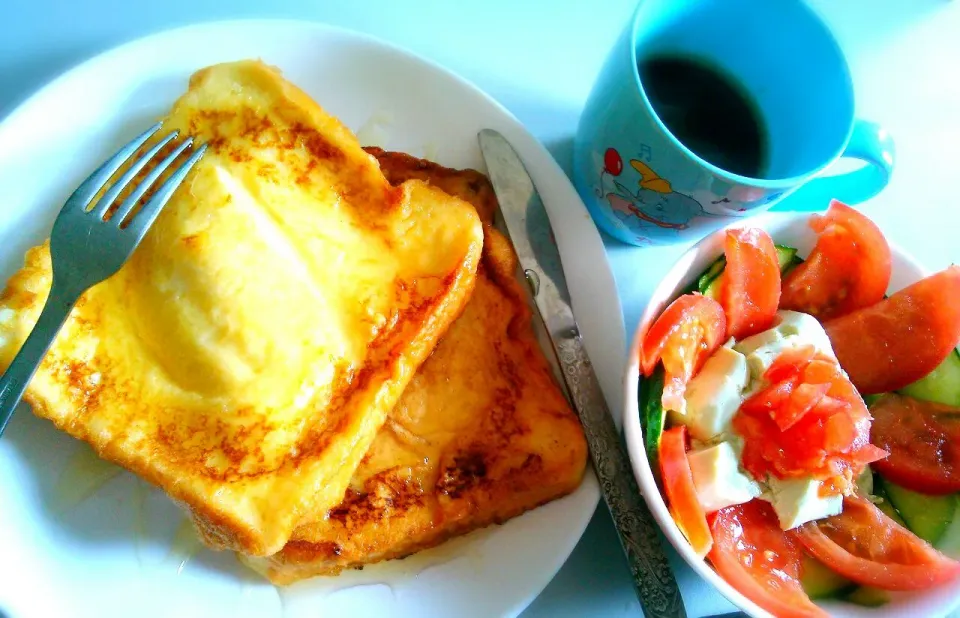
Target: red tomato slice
x=811 y=423
x=821 y=371
x=750 y=284
x=923 y=439
x=803 y=399
x=757 y=558
x=840 y=432
x=683 y=337
x=902 y=338
x=681 y=492
x=769 y=399
x=848 y=269
x=790 y=364
x=787 y=399
x=827 y=371
x=870 y=453
x=866 y=546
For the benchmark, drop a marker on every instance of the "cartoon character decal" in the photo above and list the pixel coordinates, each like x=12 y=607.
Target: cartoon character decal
x=655 y=207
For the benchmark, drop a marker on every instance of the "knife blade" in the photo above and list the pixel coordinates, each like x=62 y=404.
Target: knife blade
x=526 y=220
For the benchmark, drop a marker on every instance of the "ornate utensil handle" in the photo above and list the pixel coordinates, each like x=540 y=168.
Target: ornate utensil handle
x=653 y=579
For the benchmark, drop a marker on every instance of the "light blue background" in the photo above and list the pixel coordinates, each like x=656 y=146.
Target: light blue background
x=539 y=59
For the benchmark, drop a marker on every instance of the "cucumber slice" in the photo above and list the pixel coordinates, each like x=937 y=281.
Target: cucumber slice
x=785 y=270
x=708 y=283
x=941 y=385
x=713 y=289
x=787 y=256
x=821 y=582
x=927 y=516
x=868 y=597
x=652 y=416
x=949 y=543
x=884 y=503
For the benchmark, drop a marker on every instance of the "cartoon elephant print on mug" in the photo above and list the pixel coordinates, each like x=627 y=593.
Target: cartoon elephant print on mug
x=655 y=204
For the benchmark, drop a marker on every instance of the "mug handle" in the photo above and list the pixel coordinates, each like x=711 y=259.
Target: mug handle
x=870 y=143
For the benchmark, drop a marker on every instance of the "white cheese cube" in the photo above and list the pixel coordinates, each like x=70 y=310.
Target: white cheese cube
x=791 y=330
x=761 y=350
x=797 y=501
x=807 y=329
x=714 y=395
x=717 y=477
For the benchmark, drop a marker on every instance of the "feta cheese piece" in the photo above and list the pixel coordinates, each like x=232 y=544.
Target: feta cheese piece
x=797 y=501
x=714 y=395
x=792 y=330
x=718 y=479
x=807 y=328
x=761 y=349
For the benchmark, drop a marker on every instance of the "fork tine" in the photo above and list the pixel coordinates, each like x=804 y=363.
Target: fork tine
x=101 y=207
x=89 y=188
x=130 y=203
x=142 y=221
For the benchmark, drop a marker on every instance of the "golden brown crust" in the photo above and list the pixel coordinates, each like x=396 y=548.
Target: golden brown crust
x=481 y=434
x=248 y=353
x=468 y=185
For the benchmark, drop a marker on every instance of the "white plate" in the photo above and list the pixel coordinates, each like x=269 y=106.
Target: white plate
x=115 y=551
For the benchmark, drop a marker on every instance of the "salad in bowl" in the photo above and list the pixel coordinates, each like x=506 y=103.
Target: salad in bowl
x=793 y=418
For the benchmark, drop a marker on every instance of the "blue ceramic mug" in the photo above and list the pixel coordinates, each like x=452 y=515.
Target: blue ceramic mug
x=644 y=186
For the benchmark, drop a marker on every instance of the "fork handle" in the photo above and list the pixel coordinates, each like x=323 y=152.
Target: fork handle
x=17 y=376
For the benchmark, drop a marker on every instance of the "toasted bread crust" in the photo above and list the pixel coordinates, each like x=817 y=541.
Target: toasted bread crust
x=248 y=353
x=481 y=434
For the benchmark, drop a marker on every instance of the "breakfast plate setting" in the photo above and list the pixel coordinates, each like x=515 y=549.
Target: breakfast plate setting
x=86 y=524
x=296 y=323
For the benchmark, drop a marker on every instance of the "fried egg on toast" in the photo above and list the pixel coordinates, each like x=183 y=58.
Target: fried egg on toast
x=246 y=356
x=481 y=434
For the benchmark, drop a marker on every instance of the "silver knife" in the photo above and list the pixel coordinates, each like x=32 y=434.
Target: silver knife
x=527 y=225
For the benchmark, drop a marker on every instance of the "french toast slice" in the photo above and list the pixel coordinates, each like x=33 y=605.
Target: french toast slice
x=481 y=434
x=246 y=356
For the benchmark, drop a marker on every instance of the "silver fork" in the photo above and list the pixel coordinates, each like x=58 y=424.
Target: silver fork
x=86 y=249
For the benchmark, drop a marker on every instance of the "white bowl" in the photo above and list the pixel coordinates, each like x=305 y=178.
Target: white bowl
x=791 y=230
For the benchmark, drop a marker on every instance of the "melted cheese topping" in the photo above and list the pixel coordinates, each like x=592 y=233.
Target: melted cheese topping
x=246 y=355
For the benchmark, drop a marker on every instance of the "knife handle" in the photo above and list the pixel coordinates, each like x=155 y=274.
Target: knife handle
x=653 y=579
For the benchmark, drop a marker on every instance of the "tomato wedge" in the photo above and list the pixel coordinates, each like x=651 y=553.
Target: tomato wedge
x=803 y=399
x=683 y=337
x=790 y=363
x=769 y=399
x=866 y=546
x=681 y=492
x=923 y=439
x=902 y=338
x=811 y=422
x=750 y=283
x=848 y=269
x=757 y=558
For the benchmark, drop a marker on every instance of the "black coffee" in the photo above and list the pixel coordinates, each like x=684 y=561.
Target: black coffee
x=708 y=111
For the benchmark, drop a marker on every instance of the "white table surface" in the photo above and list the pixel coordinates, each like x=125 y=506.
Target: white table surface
x=539 y=59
